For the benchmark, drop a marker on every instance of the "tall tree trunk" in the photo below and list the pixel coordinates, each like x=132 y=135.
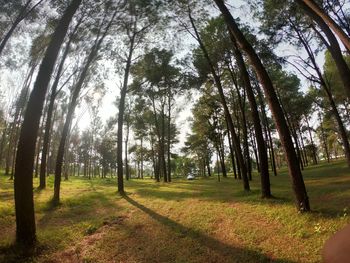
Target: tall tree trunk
x=155 y=169
x=341 y=127
x=162 y=147
x=302 y=200
x=333 y=46
x=231 y=153
x=325 y=86
x=221 y=152
x=3 y=142
x=141 y=157
x=127 y=172
x=241 y=102
x=208 y=167
x=23 y=183
x=121 y=118
x=48 y=124
x=312 y=9
x=61 y=149
x=306 y=161
x=264 y=163
x=23 y=13
x=314 y=151
x=267 y=130
x=37 y=158
x=255 y=150
x=169 y=135
x=228 y=116
x=324 y=139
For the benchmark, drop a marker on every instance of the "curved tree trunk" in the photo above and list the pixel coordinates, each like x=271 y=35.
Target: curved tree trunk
x=24 y=12
x=310 y=6
x=302 y=200
x=61 y=149
x=121 y=119
x=227 y=113
x=241 y=102
x=48 y=124
x=323 y=83
x=23 y=183
x=333 y=46
x=264 y=162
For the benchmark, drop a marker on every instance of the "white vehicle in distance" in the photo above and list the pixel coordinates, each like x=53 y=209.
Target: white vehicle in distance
x=191 y=176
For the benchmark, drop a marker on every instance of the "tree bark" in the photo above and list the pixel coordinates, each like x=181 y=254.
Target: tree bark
x=333 y=46
x=61 y=149
x=22 y=15
x=314 y=151
x=228 y=116
x=325 y=86
x=302 y=200
x=23 y=183
x=48 y=124
x=310 y=6
x=121 y=117
x=264 y=163
x=241 y=102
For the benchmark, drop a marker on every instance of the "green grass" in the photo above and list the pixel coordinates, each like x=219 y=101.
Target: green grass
x=184 y=221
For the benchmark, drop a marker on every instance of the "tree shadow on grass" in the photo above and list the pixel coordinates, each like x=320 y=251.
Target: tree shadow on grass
x=13 y=253
x=75 y=209
x=237 y=254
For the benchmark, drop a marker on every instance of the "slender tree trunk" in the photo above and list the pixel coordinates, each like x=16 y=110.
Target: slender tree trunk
x=24 y=12
x=314 y=151
x=221 y=152
x=208 y=167
x=241 y=102
x=162 y=147
x=267 y=131
x=37 y=158
x=341 y=127
x=228 y=116
x=9 y=148
x=155 y=169
x=264 y=163
x=169 y=135
x=61 y=149
x=3 y=142
x=302 y=200
x=121 y=118
x=48 y=124
x=127 y=172
x=23 y=183
x=255 y=150
x=141 y=157
x=231 y=153
x=217 y=164
x=303 y=147
x=333 y=45
x=312 y=10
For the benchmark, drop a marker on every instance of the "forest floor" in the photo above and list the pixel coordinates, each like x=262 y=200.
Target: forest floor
x=184 y=221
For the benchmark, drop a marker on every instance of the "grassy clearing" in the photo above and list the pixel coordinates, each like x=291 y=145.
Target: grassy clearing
x=185 y=221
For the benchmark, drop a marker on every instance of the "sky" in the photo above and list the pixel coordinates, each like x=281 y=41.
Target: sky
x=10 y=82
x=183 y=114
x=108 y=108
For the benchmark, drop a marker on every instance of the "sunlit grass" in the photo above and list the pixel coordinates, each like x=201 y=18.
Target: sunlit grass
x=184 y=221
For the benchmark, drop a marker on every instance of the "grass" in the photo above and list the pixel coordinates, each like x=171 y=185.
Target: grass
x=184 y=221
